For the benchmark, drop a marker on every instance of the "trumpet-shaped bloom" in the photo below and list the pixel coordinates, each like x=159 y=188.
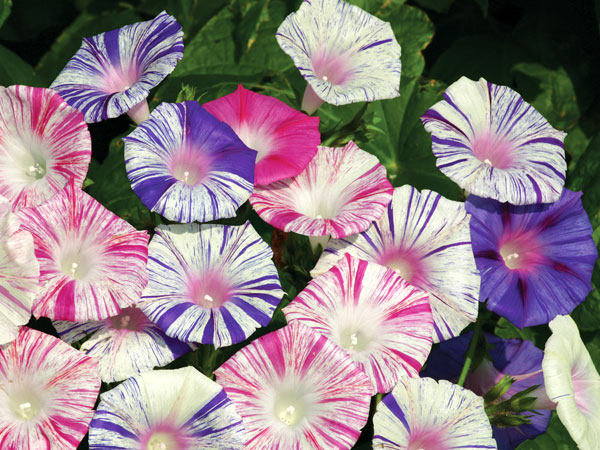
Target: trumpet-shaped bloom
x=113 y=72
x=495 y=145
x=47 y=393
x=43 y=143
x=421 y=413
x=285 y=139
x=573 y=383
x=19 y=274
x=341 y=191
x=383 y=323
x=345 y=54
x=92 y=263
x=213 y=284
x=520 y=359
x=296 y=390
x=187 y=165
x=166 y=409
x=425 y=238
x=535 y=261
x=124 y=345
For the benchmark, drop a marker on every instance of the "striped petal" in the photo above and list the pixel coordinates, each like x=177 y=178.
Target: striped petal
x=43 y=144
x=495 y=145
x=166 y=409
x=381 y=321
x=113 y=72
x=187 y=165
x=341 y=191
x=124 y=345
x=421 y=413
x=536 y=261
x=573 y=383
x=345 y=54
x=425 y=238
x=296 y=390
x=213 y=284
x=47 y=393
x=92 y=263
x=285 y=139
x=19 y=274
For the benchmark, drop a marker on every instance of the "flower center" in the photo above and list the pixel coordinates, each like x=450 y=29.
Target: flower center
x=190 y=166
x=258 y=138
x=427 y=440
x=406 y=263
x=74 y=265
x=209 y=290
x=521 y=252
x=132 y=319
x=25 y=405
x=331 y=67
x=162 y=441
x=119 y=80
x=354 y=340
x=290 y=407
x=495 y=151
x=36 y=171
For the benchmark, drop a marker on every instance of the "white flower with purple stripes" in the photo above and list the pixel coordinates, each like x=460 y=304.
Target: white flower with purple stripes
x=425 y=238
x=495 y=145
x=124 y=345
x=166 y=409
x=112 y=73
x=187 y=165
x=213 y=284
x=345 y=54
x=383 y=323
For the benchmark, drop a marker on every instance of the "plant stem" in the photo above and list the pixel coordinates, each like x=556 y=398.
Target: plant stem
x=470 y=353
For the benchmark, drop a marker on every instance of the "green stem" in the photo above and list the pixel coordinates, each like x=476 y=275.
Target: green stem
x=470 y=354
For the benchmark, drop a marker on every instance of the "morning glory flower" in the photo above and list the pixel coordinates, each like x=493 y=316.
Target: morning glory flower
x=425 y=238
x=345 y=54
x=19 y=274
x=573 y=383
x=383 y=323
x=536 y=261
x=520 y=359
x=285 y=139
x=421 y=413
x=124 y=345
x=187 y=165
x=495 y=145
x=177 y=409
x=213 y=284
x=92 y=263
x=339 y=193
x=47 y=393
x=295 y=389
x=43 y=144
x=112 y=73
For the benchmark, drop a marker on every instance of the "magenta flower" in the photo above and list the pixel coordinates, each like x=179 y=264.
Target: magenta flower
x=285 y=139
x=92 y=263
x=382 y=322
x=113 y=72
x=43 y=144
x=47 y=393
x=339 y=193
x=295 y=389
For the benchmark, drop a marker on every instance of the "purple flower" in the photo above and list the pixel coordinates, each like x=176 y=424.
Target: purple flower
x=535 y=261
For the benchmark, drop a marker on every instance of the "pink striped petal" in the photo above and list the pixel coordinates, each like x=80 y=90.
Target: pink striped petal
x=43 y=143
x=341 y=191
x=296 y=390
x=92 y=263
x=382 y=322
x=19 y=274
x=47 y=392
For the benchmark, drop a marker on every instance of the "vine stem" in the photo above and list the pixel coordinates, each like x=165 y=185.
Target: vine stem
x=470 y=354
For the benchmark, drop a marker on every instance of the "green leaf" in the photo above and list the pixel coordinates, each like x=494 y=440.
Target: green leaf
x=69 y=41
x=538 y=335
x=555 y=438
x=5 y=6
x=440 y=6
x=13 y=70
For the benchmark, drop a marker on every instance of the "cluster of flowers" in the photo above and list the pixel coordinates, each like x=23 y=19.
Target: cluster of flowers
x=403 y=269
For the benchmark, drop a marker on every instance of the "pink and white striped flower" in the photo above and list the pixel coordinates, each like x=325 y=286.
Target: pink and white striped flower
x=47 y=393
x=341 y=191
x=167 y=410
x=285 y=139
x=124 y=345
x=92 y=263
x=421 y=413
x=19 y=274
x=382 y=322
x=573 y=383
x=44 y=142
x=296 y=390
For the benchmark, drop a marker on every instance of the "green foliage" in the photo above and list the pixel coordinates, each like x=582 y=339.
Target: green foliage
x=14 y=70
x=5 y=6
x=556 y=438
